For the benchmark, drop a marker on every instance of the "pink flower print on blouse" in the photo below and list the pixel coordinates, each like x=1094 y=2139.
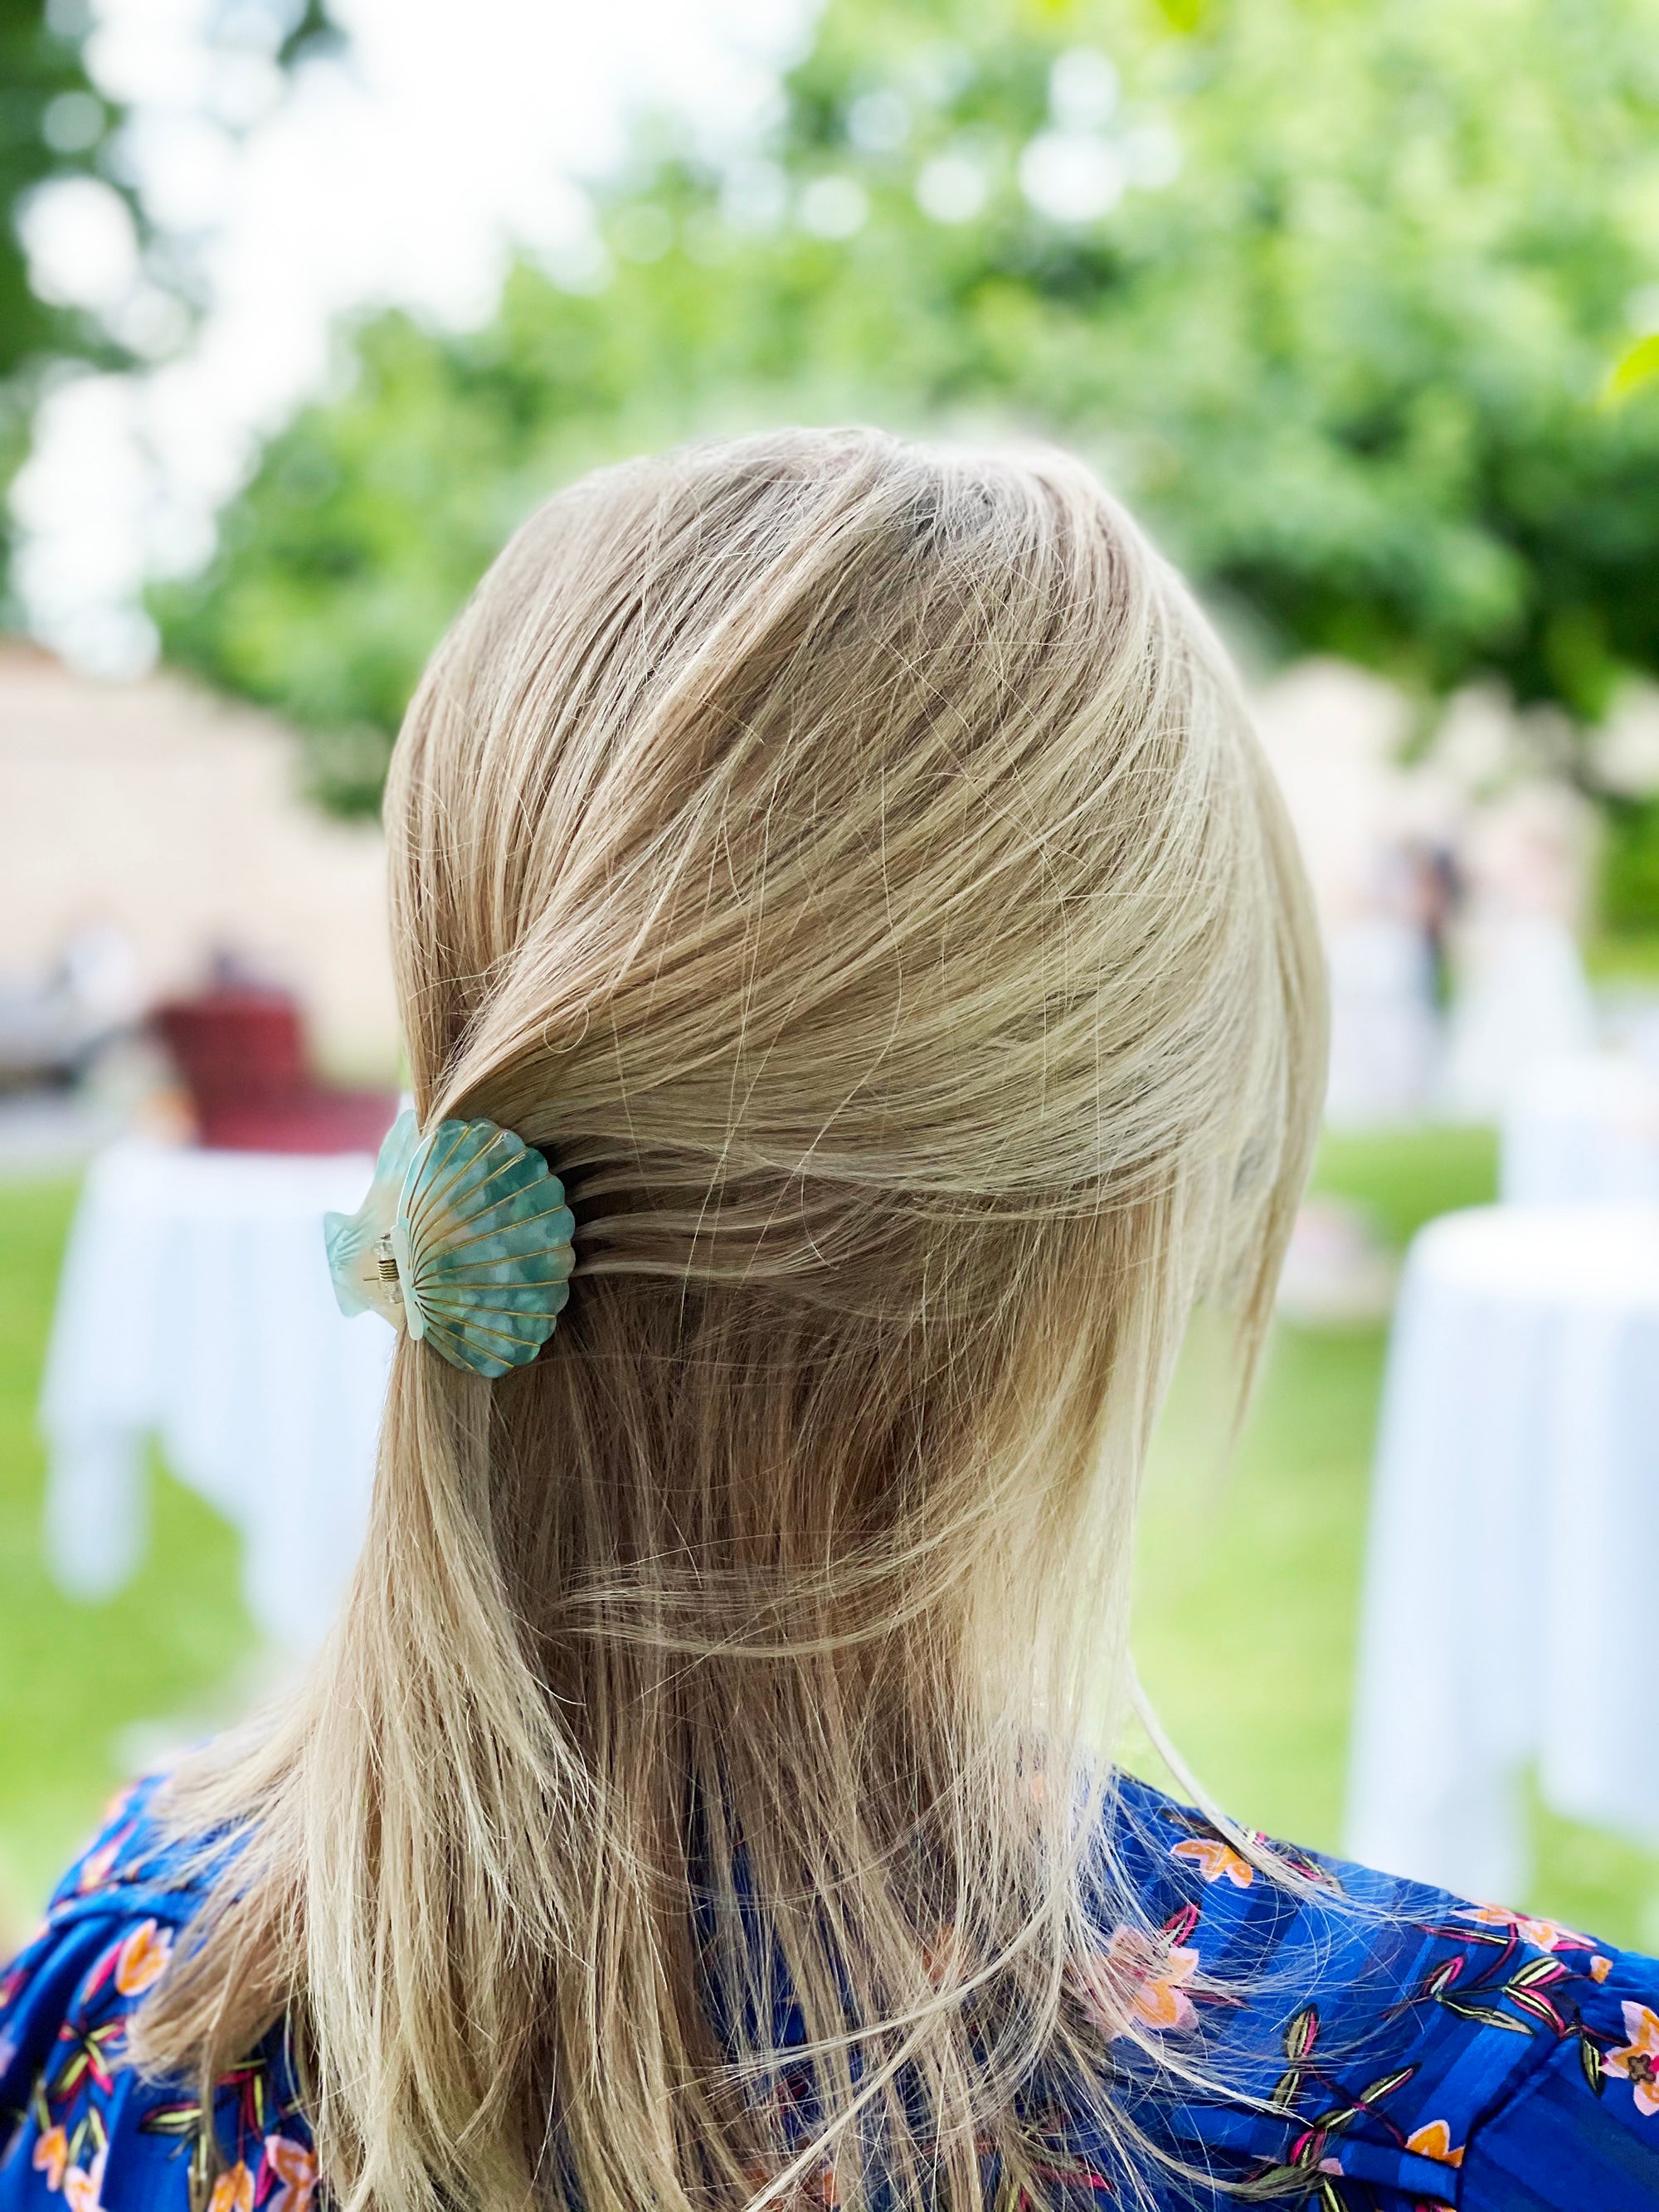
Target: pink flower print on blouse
x=295 y=2167
x=1544 y=1934
x=1136 y=1981
x=1638 y=2060
x=97 y=1865
x=83 y=2186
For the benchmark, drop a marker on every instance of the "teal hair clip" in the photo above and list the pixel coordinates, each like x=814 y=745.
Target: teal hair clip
x=465 y=1239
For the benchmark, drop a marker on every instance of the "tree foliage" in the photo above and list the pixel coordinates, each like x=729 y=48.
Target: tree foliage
x=56 y=127
x=1350 y=297
x=52 y=125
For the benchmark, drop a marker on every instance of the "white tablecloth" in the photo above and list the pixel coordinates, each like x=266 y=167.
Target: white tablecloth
x=1582 y=1130
x=195 y=1307
x=1512 y=1578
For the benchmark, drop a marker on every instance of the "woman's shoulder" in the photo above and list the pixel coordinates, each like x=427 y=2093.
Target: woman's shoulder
x=1383 y=2044
x=77 y=2123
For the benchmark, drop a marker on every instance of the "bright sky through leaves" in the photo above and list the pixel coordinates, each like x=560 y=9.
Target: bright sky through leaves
x=403 y=173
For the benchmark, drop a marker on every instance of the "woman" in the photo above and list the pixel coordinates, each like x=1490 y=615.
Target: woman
x=851 y=866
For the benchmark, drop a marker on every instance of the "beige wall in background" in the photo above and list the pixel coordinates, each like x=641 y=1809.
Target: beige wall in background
x=176 y=815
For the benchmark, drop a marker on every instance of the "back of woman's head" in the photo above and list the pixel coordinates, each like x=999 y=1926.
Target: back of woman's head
x=850 y=862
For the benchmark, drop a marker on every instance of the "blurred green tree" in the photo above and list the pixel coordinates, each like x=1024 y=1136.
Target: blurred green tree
x=53 y=125
x=57 y=127
x=1353 y=298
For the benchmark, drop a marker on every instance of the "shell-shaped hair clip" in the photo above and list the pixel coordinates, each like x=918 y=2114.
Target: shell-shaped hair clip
x=465 y=1239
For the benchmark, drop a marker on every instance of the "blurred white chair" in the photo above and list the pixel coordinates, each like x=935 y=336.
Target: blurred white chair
x=1513 y=1557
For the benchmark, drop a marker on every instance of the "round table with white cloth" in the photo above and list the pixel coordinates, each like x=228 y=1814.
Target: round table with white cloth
x=1512 y=1573
x=195 y=1308
x=1582 y=1130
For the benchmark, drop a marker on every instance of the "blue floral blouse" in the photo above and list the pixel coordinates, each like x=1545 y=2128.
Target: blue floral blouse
x=1395 y=2049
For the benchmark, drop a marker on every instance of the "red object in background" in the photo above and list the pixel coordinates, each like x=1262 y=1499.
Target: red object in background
x=241 y=1055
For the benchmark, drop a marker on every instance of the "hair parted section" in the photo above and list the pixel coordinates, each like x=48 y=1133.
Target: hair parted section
x=851 y=862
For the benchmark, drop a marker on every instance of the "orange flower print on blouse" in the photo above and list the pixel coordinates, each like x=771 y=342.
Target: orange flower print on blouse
x=1135 y=1981
x=1357 y=2023
x=295 y=2167
x=142 y=1958
x=52 y=2157
x=94 y=1869
x=1638 y=2060
x=1433 y=2140
x=940 y=1956
x=1215 y=1859
x=232 y=2191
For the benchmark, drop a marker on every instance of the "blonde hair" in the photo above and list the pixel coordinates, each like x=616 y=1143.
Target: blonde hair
x=851 y=862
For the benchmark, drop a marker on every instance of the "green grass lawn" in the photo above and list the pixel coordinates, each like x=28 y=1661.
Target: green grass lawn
x=1248 y=1578
x=1628 y=960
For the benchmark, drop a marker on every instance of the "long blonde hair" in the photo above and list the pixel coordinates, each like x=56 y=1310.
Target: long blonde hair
x=852 y=863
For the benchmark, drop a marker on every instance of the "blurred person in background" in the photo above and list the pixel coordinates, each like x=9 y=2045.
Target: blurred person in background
x=850 y=864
